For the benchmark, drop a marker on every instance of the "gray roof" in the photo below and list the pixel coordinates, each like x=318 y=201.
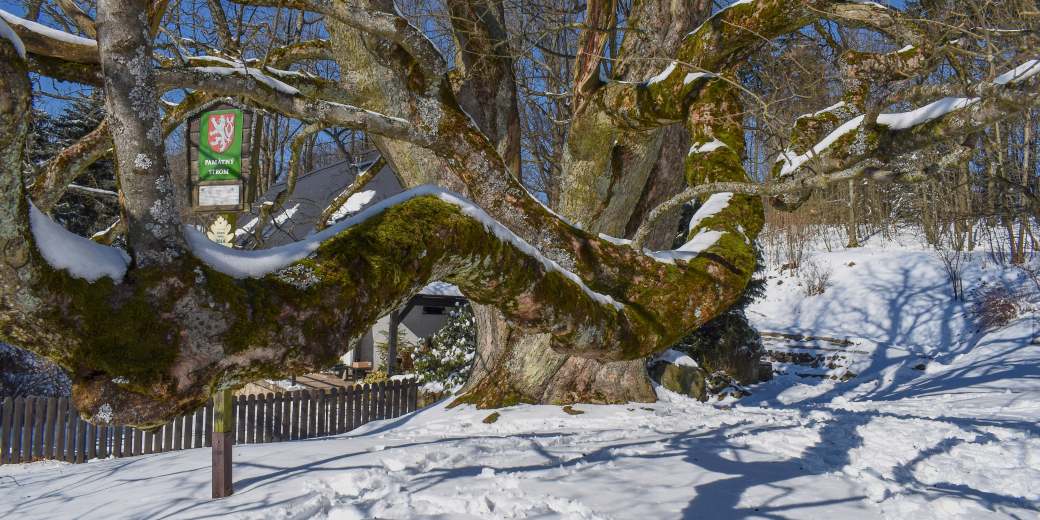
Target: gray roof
x=314 y=191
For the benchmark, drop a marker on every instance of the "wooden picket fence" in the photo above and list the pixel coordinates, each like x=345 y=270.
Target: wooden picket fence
x=39 y=428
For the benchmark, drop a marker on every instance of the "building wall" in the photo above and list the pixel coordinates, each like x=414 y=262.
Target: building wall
x=416 y=326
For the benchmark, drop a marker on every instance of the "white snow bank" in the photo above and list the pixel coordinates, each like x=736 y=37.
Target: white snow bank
x=81 y=257
x=258 y=263
x=929 y=112
x=45 y=31
x=7 y=33
x=677 y=358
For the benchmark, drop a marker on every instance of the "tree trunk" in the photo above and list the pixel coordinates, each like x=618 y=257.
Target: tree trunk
x=850 y=223
x=512 y=367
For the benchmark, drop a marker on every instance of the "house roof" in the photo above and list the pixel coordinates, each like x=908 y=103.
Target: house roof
x=315 y=190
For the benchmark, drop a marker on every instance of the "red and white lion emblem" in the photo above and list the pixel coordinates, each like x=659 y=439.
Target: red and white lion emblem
x=221 y=131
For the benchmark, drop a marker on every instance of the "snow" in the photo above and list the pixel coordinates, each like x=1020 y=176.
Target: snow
x=256 y=74
x=45 y=31
x=707 y=147
x=615 y=240
x=663 y=75
x=88 y=189
x=677 y=358
x=736 y=3
x=258 y=263
x=895 y=121
x=958 y=440
x=831 y=108
x=694 y=76
x=793 y=162
x=7 y=33
x=929 y=112
x=353 y=204
x=711 y=207
x=286 y=384
x=702 y=240
x=1019 y=73
x=81 y=257
x=688 y=251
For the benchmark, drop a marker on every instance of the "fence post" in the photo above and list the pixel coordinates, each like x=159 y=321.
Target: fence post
x=27 y=428
x=350 y=411
x=366 y=415
x=240 y=419
x=6 y=411
x=294 y=420
x=276 y=417
x=117 y=441
x=312 y=414
x=321 y=416
x=261 y=410
x=39 y=426
x=223 y=438
x=71 y=422
x=269 y=418
x=81 y=439
x=331 y=408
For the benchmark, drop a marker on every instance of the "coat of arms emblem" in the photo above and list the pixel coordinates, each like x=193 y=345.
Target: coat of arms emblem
x=221 y=132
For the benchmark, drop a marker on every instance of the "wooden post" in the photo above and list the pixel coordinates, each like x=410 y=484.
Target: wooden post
x=391 y=350
x=223 y=438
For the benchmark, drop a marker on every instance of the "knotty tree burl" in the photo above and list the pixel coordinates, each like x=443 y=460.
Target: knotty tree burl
x=568 y=311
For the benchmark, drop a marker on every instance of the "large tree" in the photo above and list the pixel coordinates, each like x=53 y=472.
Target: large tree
x=656 y=118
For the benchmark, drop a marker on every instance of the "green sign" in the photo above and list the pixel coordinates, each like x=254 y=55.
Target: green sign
x=220 y=145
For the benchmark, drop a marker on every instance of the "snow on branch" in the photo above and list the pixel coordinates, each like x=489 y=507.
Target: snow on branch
x=259 y=263
x=274 y=95
x=925 y=114
x=1019 y=73
x=7 y=33
x=40 y=39
x=906 y=120
x=792 y=162
x=81 y=257
x=240 y=68
x=688 y=251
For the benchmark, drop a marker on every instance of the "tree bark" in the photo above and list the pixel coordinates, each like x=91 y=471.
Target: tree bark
x=605 y=174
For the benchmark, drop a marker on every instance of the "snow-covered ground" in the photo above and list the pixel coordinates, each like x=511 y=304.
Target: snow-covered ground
x=917 y=415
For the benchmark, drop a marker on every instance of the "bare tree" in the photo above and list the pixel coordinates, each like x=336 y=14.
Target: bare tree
x=655 y=96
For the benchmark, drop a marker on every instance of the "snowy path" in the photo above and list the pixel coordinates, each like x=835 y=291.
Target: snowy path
x=936 y=421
